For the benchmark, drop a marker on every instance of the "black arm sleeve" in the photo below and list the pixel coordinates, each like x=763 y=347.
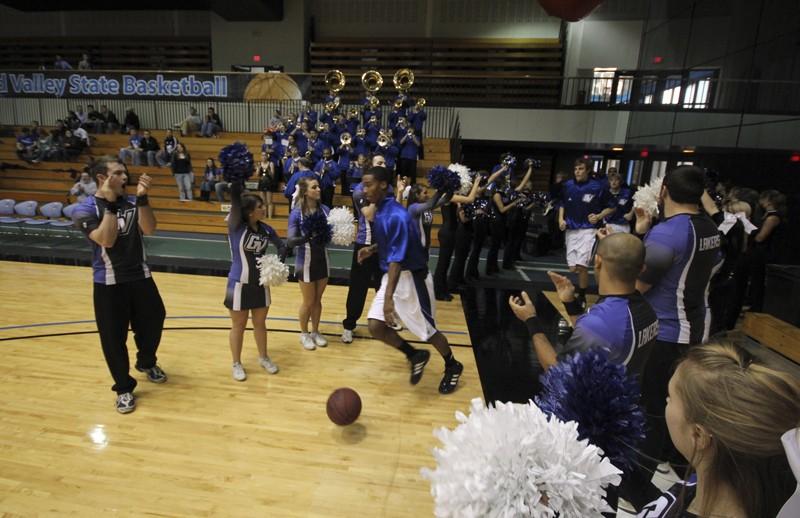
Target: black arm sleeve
x=235 y=216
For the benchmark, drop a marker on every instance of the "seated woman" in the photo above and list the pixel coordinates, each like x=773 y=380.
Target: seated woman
x=726 y=413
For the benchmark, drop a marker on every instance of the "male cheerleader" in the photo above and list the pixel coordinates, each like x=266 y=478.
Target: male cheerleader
x=407 y=286
x=584 y=204
x=124 y=291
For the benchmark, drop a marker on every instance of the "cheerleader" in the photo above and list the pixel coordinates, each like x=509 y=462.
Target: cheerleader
x=516 y=224
x=501 y=194
x=311 y=263
x=479 y=212
x=447 y=237
x=248 y=238
x=268 y=181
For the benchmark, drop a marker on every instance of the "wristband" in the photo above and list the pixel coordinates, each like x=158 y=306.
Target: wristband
x=574 y=307
x=534 y=326
x=142 y=201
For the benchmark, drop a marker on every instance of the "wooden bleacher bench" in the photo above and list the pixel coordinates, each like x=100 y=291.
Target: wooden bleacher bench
x=773 y=333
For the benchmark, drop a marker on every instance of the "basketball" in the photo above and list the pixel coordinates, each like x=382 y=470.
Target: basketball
x=344 y=406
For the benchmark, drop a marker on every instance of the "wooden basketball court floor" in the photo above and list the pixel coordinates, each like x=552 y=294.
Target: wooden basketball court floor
x=203 y=444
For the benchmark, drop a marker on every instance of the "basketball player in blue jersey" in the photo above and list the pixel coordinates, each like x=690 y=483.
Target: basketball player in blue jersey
x=311 y=262
x=248 y=238
x=124 y=291
x=621 y=198
x=621 y=323
x=584 y=204
x=406 y=287
x=682 y=253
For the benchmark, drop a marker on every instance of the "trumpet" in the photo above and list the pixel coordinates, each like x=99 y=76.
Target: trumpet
x=308 y=153
x=421 y=102
x=383 y=139
x=335 y=80
x=330 y=106
x=345 y=138
x=353 y=113
x=403 y=79
x=372 y=81
x=361 y=132
x=410 y=132
x=398 y=103
x=374 y=102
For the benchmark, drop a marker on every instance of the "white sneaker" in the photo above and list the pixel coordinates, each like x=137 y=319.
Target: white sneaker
x=307 y=342
x=347 y=336
x=319 y=340
x=238 y=372
x=268 y=365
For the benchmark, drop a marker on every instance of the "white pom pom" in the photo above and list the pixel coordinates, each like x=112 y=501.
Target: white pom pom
x=504 y=460
x=344 y=230
x=647 y=196
x=272 y=271
x=465 y=175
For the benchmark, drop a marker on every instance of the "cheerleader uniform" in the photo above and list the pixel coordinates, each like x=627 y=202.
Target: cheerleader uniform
x=497 y=227
x=447 y=235
x=311 y=259
x=461 y=248
x=243 y=291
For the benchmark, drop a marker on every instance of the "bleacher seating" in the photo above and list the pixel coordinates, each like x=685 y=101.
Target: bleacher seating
x=496 y=72
x=50 y=181
x=109 y=53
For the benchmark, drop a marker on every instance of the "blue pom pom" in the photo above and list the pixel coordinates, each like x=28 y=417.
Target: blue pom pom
x=601 y=398
x=443 y=179
x=316 y=225
x=236 y=162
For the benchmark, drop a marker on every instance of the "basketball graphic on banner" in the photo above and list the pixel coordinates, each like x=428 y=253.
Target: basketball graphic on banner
x=272 y=86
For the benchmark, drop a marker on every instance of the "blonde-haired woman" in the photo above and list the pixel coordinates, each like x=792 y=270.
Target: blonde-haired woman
x=726 y=413
x=311 y=261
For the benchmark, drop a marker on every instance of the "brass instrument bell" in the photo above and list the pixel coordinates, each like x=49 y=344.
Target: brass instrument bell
x=403 y=79
x=372 y=81
x=335 y=80
x=383 y=139
x=345 y=138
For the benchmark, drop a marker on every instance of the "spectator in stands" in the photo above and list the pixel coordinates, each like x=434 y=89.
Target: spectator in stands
x=134 y=149
x=150 y=148
x=81 y=115
x=72 y=121
x=83 y=135
x=73 y=145
x=191 y=124
x=84 y=187
x=182 y=170
x=110 y=119
x=61 y=64
x=211 y=177
x=212 y=125
x=84 y=64
x=94 y=120
x=164 y=156
x=49 y=147
x=36 y=130
x=26 y=145
x=131 y=121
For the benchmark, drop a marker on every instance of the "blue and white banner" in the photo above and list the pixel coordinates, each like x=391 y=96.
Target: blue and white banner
x=145 y=85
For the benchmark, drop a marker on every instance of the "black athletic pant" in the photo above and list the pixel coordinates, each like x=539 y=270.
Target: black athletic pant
x=327 y=196
x=498 y=231
x=446 y=244
x=517 y=227
x=408 y=168
x=362 y=277
x=139 y=304
x=480 y=228
x=637 y=487
x=460 y=254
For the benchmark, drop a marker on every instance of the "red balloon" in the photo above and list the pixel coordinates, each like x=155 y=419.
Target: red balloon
x=569 y=10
